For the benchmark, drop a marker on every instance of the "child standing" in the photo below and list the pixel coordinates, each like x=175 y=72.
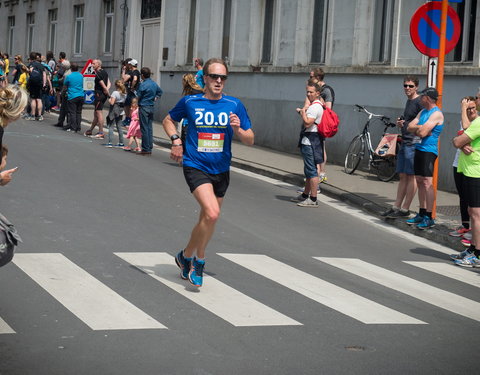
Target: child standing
x=134 y=133
x=117 y=99
x=22 y=80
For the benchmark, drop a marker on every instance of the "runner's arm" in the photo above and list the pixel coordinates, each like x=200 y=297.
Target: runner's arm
x=246 y=136
x=176 y=152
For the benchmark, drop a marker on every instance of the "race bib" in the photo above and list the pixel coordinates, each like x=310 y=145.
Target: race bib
x=210 y=142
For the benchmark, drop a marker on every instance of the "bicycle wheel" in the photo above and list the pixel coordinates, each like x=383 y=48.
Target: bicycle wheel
x=355 y=153
x=386 y=167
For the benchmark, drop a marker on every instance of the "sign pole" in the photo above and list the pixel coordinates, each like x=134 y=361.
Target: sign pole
x=441 y=64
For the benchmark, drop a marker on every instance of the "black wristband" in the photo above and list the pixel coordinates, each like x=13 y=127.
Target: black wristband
x=173 y=137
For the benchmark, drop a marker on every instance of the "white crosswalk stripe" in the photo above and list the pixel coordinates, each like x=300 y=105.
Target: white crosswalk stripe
x=90 y=300
x=451 y=271
x=4 y=327
x=321 y=291
x=427 y=293
x=216 y=297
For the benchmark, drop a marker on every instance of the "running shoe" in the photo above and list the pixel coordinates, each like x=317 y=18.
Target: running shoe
x=461 y=255
x=184 y=264
x=98 y=136
x=466 y=242
x=426 y=223
x=39 y=118
x=30 y=118
x=118 y=145
x=459 y=232
x=467 y=236
x=469 y=261
x=415 y=220
x=196 y=272
x=108 y=145
x=298 y=198
x=308 y=203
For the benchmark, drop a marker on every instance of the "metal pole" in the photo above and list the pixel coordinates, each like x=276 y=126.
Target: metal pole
x=441 y=64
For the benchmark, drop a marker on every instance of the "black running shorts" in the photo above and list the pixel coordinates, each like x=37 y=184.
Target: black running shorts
x=423 y=163
x=196 y=177
x=100 y=99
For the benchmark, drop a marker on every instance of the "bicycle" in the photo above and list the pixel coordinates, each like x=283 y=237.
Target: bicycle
x=385 y=166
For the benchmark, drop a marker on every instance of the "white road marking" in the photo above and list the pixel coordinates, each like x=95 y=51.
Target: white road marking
x=358 y=213
x=450 y=270
x=321 y=291
x=424 y=292
x=215 y=296
x=94 y=303
x=5 y=328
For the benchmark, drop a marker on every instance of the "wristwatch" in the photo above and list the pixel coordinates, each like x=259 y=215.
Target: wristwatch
x=173 y=137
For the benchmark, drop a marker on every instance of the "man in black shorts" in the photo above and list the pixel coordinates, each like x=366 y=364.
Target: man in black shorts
x=213 y=119
x=35 y=84
x=102 y=85
x=427 y=125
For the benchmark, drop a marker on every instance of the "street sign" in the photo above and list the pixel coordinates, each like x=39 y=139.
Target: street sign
x=87 y=70
x=88 y=83
x=432 y=72
x=89 y=97
x=425 y=29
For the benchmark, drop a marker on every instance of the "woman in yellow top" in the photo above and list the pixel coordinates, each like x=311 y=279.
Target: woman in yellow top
x=22 y=80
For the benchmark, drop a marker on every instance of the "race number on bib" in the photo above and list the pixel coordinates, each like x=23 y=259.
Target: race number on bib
x=210 y=142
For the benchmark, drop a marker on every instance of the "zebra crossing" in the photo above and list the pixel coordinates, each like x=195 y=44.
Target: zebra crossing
x=101 y=308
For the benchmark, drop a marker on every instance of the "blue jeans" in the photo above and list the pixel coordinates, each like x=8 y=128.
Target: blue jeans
x=309 y=165
x=146 y=119
x=405 y=158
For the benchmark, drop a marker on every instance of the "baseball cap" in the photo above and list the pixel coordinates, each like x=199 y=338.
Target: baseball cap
x=133 y=62
x=431 y=92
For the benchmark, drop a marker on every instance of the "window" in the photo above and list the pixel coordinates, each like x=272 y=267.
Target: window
x=151 y=9
x=52 y=29
x=30 y=31
x=227 y=14
x=191 y=30
x=78 y=11
x=109 y=6
x=319 y=31
x=463 y=51
x=11 y=28
x=382 y=31
x=268 y=32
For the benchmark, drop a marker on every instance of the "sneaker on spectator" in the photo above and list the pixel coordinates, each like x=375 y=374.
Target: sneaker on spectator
x=322 y=178
x=415 y=220
x=98 y=136
x=196 y=272
x=298 y=198
x=466 y=242
x=109 y=145
x=118 y=145
x=388 y=212
x=399 y=214
x=459 y=232
x=426 y=223
x=461 y=255
x=308 y=203
x=468 y=261
x=467 y=236
x=184 y=264
x=39 y=118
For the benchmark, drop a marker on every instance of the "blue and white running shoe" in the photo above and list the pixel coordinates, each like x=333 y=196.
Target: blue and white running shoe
x=196 y=272
x=469 y=261
x=184 y=264
x=415 y=220
x=461 y=255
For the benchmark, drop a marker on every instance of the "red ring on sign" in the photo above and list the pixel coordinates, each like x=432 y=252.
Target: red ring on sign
x=421 y=13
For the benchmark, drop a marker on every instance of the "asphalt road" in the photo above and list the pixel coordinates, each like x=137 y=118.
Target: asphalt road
x=94 y=288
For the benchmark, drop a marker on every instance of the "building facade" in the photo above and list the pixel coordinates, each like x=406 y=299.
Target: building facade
x=364 y=46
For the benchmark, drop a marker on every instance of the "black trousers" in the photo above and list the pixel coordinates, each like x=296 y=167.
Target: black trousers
x=75 y=107
x=63 y=108
x=460 y=185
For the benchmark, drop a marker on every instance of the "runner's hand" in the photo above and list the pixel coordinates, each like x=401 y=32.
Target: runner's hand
x=234 y=121
x=176 y=153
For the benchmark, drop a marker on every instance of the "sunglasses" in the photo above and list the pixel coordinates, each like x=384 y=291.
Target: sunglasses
x=217 y=76
x=471 y=108
x=409 y=86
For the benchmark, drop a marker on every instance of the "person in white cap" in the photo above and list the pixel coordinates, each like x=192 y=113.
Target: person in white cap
x=131 y=77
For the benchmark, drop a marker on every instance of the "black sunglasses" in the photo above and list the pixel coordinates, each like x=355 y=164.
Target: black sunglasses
x=410 y=86
x=217 y=76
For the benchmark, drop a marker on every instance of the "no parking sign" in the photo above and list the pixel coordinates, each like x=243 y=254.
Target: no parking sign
x=425 y=29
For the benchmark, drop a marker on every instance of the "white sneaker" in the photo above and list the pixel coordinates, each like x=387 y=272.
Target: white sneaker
x=308 y=203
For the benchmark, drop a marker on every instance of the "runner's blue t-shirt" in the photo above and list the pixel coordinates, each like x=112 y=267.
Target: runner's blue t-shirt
x=209 y=134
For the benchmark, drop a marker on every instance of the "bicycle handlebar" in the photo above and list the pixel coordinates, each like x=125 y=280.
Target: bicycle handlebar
x=384 y=119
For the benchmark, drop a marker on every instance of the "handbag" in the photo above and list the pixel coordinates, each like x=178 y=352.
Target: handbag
x=9 y=238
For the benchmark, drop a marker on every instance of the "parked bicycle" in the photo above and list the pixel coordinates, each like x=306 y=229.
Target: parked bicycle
x=384 y=166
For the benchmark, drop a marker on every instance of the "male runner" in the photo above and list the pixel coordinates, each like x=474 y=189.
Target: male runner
x=213 y=120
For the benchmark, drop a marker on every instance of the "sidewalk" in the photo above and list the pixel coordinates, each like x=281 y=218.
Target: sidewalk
x=360 y=189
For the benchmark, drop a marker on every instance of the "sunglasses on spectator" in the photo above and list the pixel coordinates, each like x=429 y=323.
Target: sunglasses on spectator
x=217 y=76
x=471 y=108
x=409 y=86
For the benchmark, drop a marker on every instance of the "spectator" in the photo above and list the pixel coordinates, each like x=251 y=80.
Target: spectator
x=131 y=77
x=74 y=86
x=117 y=100
x=407 y=186
x=23 y=79
x=199 y=75
x=18 y=68
x=36 y=82
x=311 y=145
x=427 y=125
x=134 y=133
x=469 y=166
x=63 y=72
x=148 y=92
x=189 y=87
x=102 y=85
